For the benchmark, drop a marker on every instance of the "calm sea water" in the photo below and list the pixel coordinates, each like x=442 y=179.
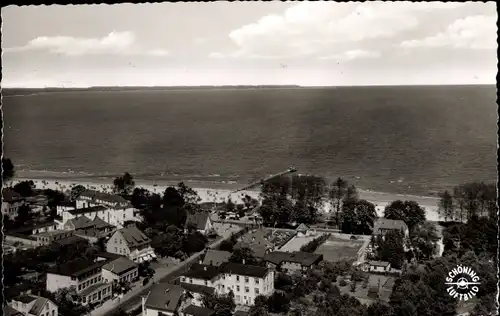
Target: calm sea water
x=415 y=140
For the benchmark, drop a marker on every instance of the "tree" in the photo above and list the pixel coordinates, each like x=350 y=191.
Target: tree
x=25 y=188
x=123 y=185
x=337 y=193
x=260 y=307
x=279 y=302
x=446 y=205
x=424 y=240
x=358 y=217
x=230 y=206
x=76 y=191
x=476 y=199
x=244 y=254
x=408 y=211
x=24 y=215
x=187 y=194
x=7 y=170
x=379 y=308
x=391 y=249
x=223 y=305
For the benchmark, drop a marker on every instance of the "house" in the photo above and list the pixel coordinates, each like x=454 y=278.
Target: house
x=292 y=261
x=95 y=229
x=76 y=223
x=132 y=243
x=37 y=228
x=383 y=225
x=246 y=281
x=200 y=274
x=47 y=238
x=9 y=311
x=200 y=221
x=262 y=241
x=37 y=203
x=193 y=310
x=304 y=230
x=197 y=292
x=11 y=201
x=32 y=305
x=84 y=275
x=379 y=266
x=120 y=270
x=216 y=257
x=163 y=300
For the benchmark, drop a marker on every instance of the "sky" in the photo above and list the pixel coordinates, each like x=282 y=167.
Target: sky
x=250 y=43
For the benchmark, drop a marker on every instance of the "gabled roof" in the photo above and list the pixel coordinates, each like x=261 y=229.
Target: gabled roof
x=303 y=258
x=86 y=210
x=112 y=199
x=9 y=195
x=29 y=228
x=384 y=223
x=243 y=269
x=202 y=271
x=9 y=311
x=196 y=288
x=37 y=308
x=198 y=219
x=302 y=228
x=69 y=240
x=216 y=257
x=25 y=298
x=133 y=236
x=80 y=222
x=164 y=297
x=379 y=263
x=100 y=223
x=193 y=310
x=75 y=268
x=120 y=265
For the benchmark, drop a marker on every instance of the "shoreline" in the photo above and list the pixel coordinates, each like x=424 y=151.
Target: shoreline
x=220 y=192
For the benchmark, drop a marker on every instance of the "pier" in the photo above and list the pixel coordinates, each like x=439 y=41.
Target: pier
x=261 y=181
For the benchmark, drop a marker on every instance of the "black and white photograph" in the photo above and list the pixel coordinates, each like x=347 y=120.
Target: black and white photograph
x=250 y=158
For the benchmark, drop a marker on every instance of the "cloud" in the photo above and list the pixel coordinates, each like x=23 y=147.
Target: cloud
x=472 y=32
x=310 y=28
x=216 y=55
x=351 y=55
x=113 y=43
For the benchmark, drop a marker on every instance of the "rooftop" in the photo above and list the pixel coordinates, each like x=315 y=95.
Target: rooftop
x=9 y=195
x=303 y=258
x=120 y=265
x=69 y=240
x=196 y=288
x=86 y=210
x=379 y=263
x=93 y=288
x=37 y=308
x=164 y=297
x=113 y=199
x=29 y=228
x=80 y=222
x=9 y=311
x=202 y=271
x=243 y=269
x=384 y=223
x=75 y=268
x=193 y=310
x=302 y=228
x=216 y=257
x=100 y=223
x=25 y=298
x=198 y=219
x=262 y=240
x=133 y=236
x=51 y=233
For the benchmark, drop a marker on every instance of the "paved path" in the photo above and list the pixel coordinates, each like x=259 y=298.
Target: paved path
x=132 y=299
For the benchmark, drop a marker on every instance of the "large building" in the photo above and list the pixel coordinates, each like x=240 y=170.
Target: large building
x=245 y=281
x=84 y=275
x=163 y=300
x=120 y=270
x=384 y=225
x=292 y=261
x=32 y=305
x=11 y=201
x=132 y=243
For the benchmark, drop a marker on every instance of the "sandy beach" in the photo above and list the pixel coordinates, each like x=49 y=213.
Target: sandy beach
x=221 y=194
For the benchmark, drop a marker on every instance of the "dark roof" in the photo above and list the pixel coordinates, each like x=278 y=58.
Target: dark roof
x=87 y=210
x=9 y=311
x=133 y=236
x=196 y=288
x=120 y=265
x=164 y=297
x=75 y=268
x=379 y=263
x=92 y=288
x=198 y=219
x=216 y=257
x=243 y=269
x=302 y=258
x=193 y=310
x=108 y=255
x=18 y=235
x=69 y=240
x=113 y=199
x=34 y=226
x=80 y=222
x=202 y=271
x=384 y=223
x=67 y=203
x=37 y=308
x=25 y=298
x=302 y=228
x=100 y=223
x=9 y=195
x=241 y=313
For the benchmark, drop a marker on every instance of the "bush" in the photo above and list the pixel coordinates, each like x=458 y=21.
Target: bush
x=314 y=244
x=342 y=282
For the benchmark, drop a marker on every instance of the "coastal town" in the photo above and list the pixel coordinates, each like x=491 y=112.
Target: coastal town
x=297 y=245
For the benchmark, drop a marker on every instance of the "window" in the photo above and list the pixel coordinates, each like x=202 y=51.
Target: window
x=246 y=279
x=182 y=278
x=237 y=288
x=206 y=282
x=237 y=278
x=237 y=298
x=247 y=290
x=256 y=291
x=116 y=249
x=53 y=312
x=79 y=287
x=190 y=280
x=256 y=281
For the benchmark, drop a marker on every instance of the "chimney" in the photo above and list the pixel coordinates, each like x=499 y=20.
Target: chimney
x=243 y=261
x=200 y=261
x=205 y=268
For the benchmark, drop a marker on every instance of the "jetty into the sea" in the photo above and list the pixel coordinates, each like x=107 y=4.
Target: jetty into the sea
x=262 y=181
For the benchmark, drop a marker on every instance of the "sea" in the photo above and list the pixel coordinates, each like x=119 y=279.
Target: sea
x=401 y=139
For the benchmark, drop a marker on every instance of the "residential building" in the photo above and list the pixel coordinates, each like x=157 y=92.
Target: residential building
x=120 y=270
x=11 y=201
x=292 y=261
x=200 y=221
x=383 y=225
x=76 y=223
x=263 y=240
x=379 y=266
x=32 y=305
x=84 y=275
x=132 y=243
x=246 y=281
x=46 y=238
x=37 y=228
x=37 y=203
x=304 y=230
x=9 y=311
x=196 y=292
x=201 y=274
x=216 y=257
x=163 y=300
x=193 y=310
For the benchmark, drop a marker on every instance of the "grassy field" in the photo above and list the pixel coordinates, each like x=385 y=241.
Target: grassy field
x=297 y=242
x=337 y=249
x=386 y=285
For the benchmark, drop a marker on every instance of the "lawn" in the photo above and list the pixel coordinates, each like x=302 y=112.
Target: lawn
x=337 y=249
x=297 y=242
x=386 y=285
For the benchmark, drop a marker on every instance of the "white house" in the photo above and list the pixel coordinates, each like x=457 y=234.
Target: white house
x=384 y=225
x=163 y=299
x=120 y=270
x=132 y=243
x=379 y=266
x=84 y=275
x=11 y=201
x=32 y=305
x=200 y=221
